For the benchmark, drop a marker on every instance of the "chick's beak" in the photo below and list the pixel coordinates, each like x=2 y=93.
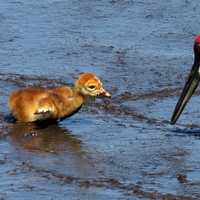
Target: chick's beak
x=105 y=93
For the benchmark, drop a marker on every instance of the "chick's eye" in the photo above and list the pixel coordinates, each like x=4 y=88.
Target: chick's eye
x=91 y=87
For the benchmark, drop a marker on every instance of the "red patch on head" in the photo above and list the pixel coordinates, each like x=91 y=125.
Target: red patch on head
x=197 y=39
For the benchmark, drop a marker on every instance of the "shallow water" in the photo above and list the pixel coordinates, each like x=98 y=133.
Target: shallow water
x=119 y=148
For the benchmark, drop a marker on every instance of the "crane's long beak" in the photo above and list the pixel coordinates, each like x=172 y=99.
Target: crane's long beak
x=188 y=90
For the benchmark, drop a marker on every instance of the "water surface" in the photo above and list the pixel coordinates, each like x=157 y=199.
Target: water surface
x=119 y=148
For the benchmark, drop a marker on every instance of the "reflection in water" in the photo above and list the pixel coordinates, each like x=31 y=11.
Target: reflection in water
x=51 y=138
x=195 y=132
x=51 y=147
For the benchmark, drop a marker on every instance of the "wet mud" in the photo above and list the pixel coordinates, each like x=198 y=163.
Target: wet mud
x=118 y=148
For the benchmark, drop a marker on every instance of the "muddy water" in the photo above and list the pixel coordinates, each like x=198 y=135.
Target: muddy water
x=121 y=148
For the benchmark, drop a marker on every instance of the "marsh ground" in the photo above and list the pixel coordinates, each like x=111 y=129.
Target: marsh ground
x=119 y=148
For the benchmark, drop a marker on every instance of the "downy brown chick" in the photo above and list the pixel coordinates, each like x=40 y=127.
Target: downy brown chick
x=36 y=104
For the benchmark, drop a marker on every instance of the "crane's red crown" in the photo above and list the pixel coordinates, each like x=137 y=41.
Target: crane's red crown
x=197 y=39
